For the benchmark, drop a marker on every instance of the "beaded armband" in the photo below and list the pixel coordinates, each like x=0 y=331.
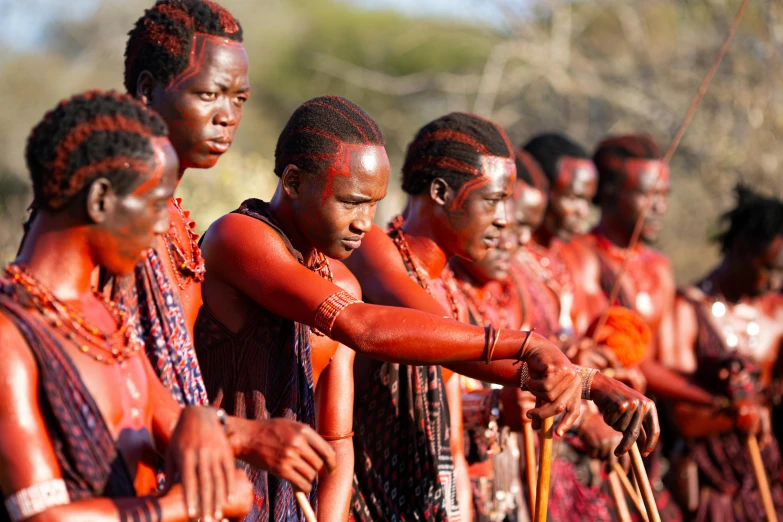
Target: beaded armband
x=28 y=502
x=328 y=311
x=586 y=375
x=524 y=376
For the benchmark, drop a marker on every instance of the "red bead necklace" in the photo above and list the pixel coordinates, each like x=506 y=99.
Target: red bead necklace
x=110 y=348
x=186 y=268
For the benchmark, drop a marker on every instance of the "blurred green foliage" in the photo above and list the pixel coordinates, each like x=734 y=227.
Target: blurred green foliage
x=586 y=68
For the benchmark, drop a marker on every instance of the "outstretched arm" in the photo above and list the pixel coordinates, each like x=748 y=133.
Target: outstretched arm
x=398 y=335
x=384 y=279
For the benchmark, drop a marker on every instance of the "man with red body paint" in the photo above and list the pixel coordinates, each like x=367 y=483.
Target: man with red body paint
x=580 y=491
x=729 y=330
x=265 y=322
x=84 y=416
x=185 y=60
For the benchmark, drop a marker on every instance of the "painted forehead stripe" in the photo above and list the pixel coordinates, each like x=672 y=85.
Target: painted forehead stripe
x=197 y=49
x=569 y=167
x=157 y=171
x=341 y=166
x=632 y=169
x=490 y=164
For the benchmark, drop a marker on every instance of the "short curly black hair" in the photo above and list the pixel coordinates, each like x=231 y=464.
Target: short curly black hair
x=94 y=134
x=312 y=137
x=756 y=219
x=626 y=146
x=451 y=148
x=529 y=171
x=162 y=38
x=548 y=148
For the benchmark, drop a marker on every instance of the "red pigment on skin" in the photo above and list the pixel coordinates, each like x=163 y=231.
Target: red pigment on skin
x=197 y=50
x=157 y=172
x=567 y=168
x=489 y=164
x=341 y=166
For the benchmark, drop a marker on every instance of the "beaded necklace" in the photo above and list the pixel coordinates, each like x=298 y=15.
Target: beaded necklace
x=186 y=269
x=644 y=279
x=447 y=277
x=321 y=267
x=484 y=305
x=111 y=348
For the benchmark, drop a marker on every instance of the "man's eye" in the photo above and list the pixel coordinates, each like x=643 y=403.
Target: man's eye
x=208 y=96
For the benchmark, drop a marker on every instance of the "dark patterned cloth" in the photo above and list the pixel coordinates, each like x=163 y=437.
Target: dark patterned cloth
x=541 y=312
x=151 y=296
x=728 y=490
x=262 y=371
x=669 y=511
x=88 y=456
x=403 y=468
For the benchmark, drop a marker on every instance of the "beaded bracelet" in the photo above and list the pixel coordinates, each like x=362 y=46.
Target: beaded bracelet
x=327 y=312
x=524 y=376
x=586 y=375
x=30 y=501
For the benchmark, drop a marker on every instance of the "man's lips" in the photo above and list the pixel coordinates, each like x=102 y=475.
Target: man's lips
x=491 y=242
x=353 y=242
x=219 y=145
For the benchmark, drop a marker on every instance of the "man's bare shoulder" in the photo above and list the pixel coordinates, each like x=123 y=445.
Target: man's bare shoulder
x=345 y=279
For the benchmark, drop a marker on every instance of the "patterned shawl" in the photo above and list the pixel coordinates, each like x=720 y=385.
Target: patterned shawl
x=262 y=371
x=90 y=462
x=403 y=468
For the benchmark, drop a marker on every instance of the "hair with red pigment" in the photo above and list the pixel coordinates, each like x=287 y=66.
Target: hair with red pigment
x=451 y=148
x=529 y=171
x=548 y=148
x=615 y=148
x=162 y=39
x=321 y=132
x=95 y=134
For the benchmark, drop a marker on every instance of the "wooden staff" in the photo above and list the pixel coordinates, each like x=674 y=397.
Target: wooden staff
x=761 y=478
x=530 y=465
x=636 y=458
x=307 y=509
x=644 y=484
x=631 y=491
x=619 y=497
x=544 y=469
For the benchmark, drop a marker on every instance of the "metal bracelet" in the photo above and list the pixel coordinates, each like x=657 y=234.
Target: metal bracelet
x=586 y=375
x=30 y=501
x=222 y=418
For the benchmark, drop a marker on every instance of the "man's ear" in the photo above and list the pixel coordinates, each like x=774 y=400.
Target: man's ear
x=101 y=200
x=145 y=85
x=440 y=192
x=292 y=181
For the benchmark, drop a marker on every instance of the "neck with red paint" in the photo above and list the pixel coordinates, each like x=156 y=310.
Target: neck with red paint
x=614 y=231
x=426 y=235
x=57 y=254
x=287 y=220
x=543 y=237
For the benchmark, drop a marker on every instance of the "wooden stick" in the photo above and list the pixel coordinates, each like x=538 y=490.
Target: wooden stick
x=307 y=509
x=530 y=465
x=644 y=483
x=619 y=497
x=544 y=469
x=631 y=491
x=761 y=478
